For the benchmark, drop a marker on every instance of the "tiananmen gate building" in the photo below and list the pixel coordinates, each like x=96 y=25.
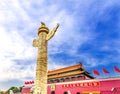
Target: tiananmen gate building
x=76 y=80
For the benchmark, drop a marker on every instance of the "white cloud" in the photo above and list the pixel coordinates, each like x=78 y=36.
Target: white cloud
x=14 y=47
x=12 y=43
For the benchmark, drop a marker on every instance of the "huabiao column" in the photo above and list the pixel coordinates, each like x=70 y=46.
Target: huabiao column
x=42 y=59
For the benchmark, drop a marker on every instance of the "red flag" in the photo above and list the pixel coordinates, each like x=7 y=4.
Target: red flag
x=105 y=71
x=96 y=72
x=116 y=69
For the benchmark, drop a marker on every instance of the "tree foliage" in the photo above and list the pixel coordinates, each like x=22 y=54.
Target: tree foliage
x=15 y=89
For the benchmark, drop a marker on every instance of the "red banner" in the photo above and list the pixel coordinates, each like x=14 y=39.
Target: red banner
x=85 y=84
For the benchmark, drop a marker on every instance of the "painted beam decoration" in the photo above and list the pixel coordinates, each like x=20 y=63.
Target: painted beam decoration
x=85 y=84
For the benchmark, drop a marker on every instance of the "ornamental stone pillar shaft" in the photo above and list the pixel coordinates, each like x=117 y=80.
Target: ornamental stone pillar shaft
x=42 y=59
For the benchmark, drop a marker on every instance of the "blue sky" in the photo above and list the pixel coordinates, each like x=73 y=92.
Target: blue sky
x=89 y=32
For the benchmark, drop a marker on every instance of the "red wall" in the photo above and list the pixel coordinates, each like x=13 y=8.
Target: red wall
x=105 y=85
x=108 y=85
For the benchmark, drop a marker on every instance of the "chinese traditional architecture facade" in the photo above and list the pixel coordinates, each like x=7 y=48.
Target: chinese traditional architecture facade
x=90 y=86
x=71 y=73
x=76 y=80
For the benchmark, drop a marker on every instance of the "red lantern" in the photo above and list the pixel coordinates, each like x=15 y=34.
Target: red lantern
x=33 y=82
x=25 y=83
x=30 y=82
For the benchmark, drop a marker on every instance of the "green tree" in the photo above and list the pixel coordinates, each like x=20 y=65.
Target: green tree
x=11 y=88
x=14 y=89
